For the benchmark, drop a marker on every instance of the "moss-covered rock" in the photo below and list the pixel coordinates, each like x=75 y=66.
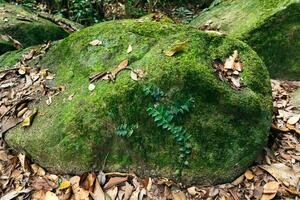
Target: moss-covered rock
x=270 y=27
x=228 y=128
x=26 y=27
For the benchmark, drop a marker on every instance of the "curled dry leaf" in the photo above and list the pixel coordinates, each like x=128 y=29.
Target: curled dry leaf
x=249 y=175
x=87 y=181
x=119 y=68
x=98 y=193
x=115 y=181
x=136 y=74
x=270 y=190
x=129 y=49
x=96 y=42
x=28 y=120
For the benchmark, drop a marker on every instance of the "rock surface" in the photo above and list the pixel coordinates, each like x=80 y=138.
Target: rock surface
x=26 y=27
x=270 y=27
x=228 y=127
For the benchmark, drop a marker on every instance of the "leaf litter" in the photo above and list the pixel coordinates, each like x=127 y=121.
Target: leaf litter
x=275 y=175
x=230 y=70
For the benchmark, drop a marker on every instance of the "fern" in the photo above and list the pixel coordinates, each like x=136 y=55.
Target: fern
x=164 y=117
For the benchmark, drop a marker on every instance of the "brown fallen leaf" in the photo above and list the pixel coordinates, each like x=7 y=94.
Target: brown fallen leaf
x=24 y=162
x=128 y=189
x=41 y=183
x=87 y=181
x=51 y=196
x=175 y=48
x=115 y=181
x=178 y=195
x=96 y=42
x=119 y=68
x=249 y=175
x=136 y=74
x=98 y=193
x=112 y=193
x=79 y=193
x=283 y=173
x=14 y=194
x=270 y=190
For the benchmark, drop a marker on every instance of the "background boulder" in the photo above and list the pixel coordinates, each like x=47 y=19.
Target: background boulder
x=28 y=28
x=270 y=27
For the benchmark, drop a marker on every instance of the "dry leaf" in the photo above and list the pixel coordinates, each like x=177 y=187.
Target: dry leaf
x=293 y=120
x=270 y=190
x=96 y=42
x=51 y=196
x=178 y=195
x=79 y=193
x=193 y=191
x=119 y=68
x=41 y=183
x=175 y=48
x=92 y=87
x=135 y=194
x=136 y=74
x=128 y=191
x=14 y=194
x=28 y=120
x=24 y=162
x=98 y=193
x=112 y=193
x=283 y=173
x=129 y=49
x=249 y=175
x=88 y=181
x=115 y=181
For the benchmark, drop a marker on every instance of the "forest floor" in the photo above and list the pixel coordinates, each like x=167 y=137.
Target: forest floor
x=275 y=173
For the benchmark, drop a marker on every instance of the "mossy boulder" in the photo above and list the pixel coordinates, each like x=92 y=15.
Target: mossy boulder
x=26 y=27
x=270 y=27
x=228 y=127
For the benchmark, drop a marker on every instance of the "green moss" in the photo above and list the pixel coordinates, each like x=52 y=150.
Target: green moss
x=270 y=27
x=32 y=31
x=228 y=127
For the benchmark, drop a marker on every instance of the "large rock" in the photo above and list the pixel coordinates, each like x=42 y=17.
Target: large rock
x=228 y=127
x=270 y=27
x=26 y=27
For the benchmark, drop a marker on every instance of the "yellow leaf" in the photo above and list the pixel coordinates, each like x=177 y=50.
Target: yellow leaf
x=64 y=185
x=28 y=120
x=176 y=48
x=178 y=196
